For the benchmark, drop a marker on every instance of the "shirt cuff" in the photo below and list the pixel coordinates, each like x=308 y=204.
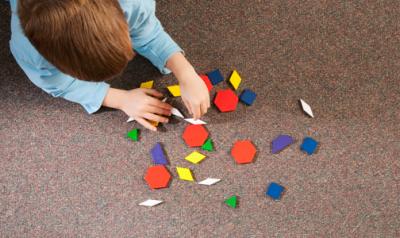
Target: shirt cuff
x=98 y=99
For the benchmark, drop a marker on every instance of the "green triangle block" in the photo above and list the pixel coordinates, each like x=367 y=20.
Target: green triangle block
x=208 y=145
x=134 y=134
x=232 y=201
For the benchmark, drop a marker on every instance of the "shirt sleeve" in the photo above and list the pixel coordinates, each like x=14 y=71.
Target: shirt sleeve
x=89 y=95
x=148 y=36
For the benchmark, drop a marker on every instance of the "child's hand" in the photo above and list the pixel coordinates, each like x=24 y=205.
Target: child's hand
x=145 y=104
x=194 y=91
x=142 y=104
x=194 y=94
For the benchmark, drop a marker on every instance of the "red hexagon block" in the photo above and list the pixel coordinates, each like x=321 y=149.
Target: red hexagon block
x=195 y=135
x=157 y=177
x=226 y=100
x=206 y=81
x=243 y=151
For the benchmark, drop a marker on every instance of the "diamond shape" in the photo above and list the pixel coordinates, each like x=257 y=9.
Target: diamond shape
x=195 y=157
x=148 y=84
x=157 y=177
x=275 y=191
x=306 y=108
x=243 y=151
x=195 y=135
x=235 y=79
x=175 y=90
x=226 y=100
x=184 y=174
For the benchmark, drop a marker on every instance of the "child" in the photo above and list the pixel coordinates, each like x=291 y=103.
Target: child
x=70 y=47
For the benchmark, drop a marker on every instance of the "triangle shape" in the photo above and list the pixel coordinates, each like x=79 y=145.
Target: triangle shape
x=133 y=134
x=232 y=201
x=208 y=145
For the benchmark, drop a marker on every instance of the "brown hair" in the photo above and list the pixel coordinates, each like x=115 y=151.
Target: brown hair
x=87 y=39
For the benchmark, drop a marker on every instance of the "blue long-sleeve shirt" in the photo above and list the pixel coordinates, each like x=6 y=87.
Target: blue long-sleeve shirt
x=148 y=38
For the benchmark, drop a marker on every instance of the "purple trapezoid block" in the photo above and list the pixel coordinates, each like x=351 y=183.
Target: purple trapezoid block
x=157 y=154
x=281 y=142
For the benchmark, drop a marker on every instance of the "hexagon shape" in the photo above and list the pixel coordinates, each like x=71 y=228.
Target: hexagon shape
x=226 y=100
x=243 y=151
x=157 y=177
x=195 y=135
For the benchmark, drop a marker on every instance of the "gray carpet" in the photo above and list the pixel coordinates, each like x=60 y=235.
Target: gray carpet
x=64 y=173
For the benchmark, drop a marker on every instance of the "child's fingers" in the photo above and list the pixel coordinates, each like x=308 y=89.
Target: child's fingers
x=204 y=108
x=187 y=105
x=196 y=111
x=154 y=117
x=153 y=92
x=146 y=124
x=157 y=103
x=159 y=111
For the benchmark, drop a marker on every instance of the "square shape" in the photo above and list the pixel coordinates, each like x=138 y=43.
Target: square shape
x=248 y=97
x=275 y=191
x=184 y=174
x=309 y=145
x=195 y=157
x=215 y=77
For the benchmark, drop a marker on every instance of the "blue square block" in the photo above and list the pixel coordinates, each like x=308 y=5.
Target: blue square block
x=215 y=77
x=309 y=145
x=275 y=191
x=157 y=154
x=248 y=97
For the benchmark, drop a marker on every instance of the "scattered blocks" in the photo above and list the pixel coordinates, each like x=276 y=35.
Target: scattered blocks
x=158 y=155
x=281 y=142
x=150 y=203
x=148 y=84
x=215 y=77
x=206 y=81
x=232 y=201
x=184 y=174
x=195 y=135
x=243 y=151
x=157 y=177
x=195 y=157
x=208 y=145
x=133 y=134
x=175 y=90
x=306 y=108
x=309 y=145
x=275 y=191
x=235 y=79
x=248 y=97
x=209 y=181
x=226 y=100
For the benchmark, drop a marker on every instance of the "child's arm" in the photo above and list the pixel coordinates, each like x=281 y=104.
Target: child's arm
x=150 y=40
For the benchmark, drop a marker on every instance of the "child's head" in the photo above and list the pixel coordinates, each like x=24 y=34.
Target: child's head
x=87 y=39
